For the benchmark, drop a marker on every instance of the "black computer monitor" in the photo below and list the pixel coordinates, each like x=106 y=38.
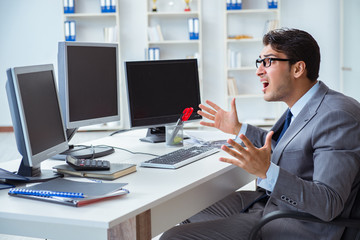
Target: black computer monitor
x=159 y=91
x=88 y=90
x=36 y=116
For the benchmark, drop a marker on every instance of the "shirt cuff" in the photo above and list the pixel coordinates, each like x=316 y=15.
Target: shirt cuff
x=242 y=131
x=272 y=175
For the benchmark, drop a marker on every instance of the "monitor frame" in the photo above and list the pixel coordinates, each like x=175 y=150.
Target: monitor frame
x=72 y=126
x=64 y=88
x=156 y=125
x=31 y=162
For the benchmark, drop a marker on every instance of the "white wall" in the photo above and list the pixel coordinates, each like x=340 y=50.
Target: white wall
x=30 y=31
x=321 y=18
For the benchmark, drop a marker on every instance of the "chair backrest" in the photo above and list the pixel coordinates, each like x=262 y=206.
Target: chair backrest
x=352 y=233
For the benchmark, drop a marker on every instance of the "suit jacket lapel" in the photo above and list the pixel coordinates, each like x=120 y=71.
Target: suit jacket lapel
x=304 y=117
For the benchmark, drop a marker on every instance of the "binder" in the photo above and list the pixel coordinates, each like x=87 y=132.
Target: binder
x=92 y=191
x=70 y=31
x=238 y=4
x=272 y=4
x=151 y=54
x=102 y=6
x=107 y=6
x=154 y=53
x=191 y=28
x=69 y=6
x=113 y=6
x=67 y=31
x=196 y=28
x=66 y=6
x=228 y=4
x=234 y=4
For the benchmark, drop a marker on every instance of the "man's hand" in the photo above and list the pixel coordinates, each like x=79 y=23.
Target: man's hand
x=225 y=121
x=254 y=160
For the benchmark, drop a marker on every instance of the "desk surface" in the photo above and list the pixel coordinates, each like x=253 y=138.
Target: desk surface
x=171 y=195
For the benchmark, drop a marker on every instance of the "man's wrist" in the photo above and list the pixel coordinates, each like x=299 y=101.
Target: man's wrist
x=271 y=177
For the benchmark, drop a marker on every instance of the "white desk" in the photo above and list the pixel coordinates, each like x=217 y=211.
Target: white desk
x=158 y=199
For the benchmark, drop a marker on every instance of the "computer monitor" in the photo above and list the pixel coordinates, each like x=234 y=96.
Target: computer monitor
x=36 y=116
x=88 y=90
x=159 y=91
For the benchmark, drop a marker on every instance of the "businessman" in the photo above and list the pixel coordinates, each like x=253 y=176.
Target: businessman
x=308 y=162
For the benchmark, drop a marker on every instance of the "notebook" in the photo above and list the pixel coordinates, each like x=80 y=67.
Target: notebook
x=116 y=170
x=61 y=190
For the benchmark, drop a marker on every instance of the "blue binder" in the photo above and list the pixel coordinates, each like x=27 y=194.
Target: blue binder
x=233 y=4
x=193 y=27
x=196 y=28
x=272 y=4
x=70 y=31
x=69 y=6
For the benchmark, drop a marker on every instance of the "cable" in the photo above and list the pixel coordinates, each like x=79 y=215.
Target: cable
x=119 y=131
x=126 y=150
x=93 y=152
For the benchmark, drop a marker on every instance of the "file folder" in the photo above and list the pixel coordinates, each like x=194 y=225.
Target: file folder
x=102 y=6
x=69 y=6
x=191 y=28
x=196 y=28
x=154 y=53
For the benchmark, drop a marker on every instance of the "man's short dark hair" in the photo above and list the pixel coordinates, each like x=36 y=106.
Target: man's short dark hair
x=297 y=45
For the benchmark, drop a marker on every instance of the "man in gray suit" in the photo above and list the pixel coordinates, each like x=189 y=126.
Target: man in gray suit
x=308 y=162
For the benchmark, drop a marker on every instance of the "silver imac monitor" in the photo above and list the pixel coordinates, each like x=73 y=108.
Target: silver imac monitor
x=159 y=91
x=36 y=116
x=88 y=89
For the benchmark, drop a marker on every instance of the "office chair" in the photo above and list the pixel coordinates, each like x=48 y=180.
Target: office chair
x=351 y=224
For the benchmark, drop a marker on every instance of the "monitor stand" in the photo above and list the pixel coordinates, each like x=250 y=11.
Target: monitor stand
x=35 y=174
x=83 y=151
x=154 y=135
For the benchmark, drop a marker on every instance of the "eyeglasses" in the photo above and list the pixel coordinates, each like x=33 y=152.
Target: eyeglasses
x=268 y=60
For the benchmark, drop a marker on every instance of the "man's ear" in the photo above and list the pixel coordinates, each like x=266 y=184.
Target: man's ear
x=299 y=69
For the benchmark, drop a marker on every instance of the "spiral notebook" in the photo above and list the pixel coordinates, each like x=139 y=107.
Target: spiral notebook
x=69 y=192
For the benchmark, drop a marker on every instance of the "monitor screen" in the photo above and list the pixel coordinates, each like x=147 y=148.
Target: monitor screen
x=35 y=111
x=88 y=83
x=88 y=89
x=159 y=91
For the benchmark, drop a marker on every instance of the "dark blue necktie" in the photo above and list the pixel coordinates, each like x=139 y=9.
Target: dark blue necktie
x=286 y=124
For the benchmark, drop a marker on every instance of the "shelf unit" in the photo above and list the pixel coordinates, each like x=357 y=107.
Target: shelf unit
x=172 y=20
x=91 y=22
x=244 y=29
x=90 y=27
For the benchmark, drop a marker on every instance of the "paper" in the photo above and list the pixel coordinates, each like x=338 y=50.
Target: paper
x=209 y=138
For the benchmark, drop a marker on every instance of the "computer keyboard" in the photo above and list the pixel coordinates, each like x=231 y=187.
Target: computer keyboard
x=180 y=157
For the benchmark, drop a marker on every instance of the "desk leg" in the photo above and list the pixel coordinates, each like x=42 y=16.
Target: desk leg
x=143 y=226
x=126 y=230
x=123 y=231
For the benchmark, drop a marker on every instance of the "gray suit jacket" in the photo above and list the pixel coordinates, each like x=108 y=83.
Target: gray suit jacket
x=319 y=159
